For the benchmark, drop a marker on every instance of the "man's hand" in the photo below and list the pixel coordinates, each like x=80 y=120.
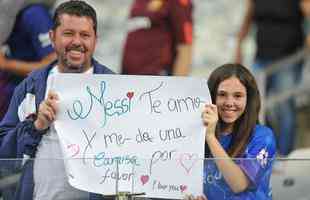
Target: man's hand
x=47 y=112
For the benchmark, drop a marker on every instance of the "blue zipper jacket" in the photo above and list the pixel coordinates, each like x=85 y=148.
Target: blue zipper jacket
x=18 y=138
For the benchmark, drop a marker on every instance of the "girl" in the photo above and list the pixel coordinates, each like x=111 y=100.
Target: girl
x=242 y=151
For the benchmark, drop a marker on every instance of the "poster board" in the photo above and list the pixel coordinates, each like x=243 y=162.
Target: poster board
x=132 y=133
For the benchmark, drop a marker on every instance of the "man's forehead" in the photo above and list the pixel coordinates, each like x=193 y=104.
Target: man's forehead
x=68 y=15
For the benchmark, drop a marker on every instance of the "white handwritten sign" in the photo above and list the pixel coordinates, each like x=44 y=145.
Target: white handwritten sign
x=132 y=133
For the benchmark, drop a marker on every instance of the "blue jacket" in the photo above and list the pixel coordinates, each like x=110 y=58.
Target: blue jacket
x=18 y=138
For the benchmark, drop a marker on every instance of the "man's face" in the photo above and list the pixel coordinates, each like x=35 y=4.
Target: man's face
x=74 y=41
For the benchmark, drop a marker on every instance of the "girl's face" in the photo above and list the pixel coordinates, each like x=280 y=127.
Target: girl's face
x=231 y=99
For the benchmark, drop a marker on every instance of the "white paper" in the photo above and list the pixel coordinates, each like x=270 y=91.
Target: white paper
x=151 y=124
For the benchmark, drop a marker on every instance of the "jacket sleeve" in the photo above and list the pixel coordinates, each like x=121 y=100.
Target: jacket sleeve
x=17 y=134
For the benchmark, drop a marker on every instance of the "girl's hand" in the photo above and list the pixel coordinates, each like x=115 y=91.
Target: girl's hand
x=210 y=118
x=191 y=197
x=202 y=198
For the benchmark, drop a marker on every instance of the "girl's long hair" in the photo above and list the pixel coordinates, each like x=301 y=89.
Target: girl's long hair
x=244 y=126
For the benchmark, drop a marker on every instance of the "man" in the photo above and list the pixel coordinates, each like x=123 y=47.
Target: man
x=27 y=130
x=159 y=40
x=27 y=47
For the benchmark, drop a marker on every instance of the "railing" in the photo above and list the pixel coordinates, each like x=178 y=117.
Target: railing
x=300 y=92
x=283 y=64
x=290 y=177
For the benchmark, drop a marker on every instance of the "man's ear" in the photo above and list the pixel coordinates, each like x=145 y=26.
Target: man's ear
x=51 y=34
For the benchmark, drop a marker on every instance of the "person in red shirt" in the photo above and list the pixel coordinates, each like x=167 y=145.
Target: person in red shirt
x=159 y=39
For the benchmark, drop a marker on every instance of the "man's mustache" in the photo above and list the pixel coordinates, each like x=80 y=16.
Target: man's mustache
x=76 y=48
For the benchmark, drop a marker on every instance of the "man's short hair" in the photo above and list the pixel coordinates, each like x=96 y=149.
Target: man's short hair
x=75 y=7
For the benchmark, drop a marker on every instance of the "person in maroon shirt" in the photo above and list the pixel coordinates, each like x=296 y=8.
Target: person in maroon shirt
x=159 y=40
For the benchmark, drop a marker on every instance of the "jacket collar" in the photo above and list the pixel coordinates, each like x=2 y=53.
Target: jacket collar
x=40 y=77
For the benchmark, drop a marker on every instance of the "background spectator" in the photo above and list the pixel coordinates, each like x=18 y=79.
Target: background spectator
x=279 y=25
x=27 y=48
x=159 y=40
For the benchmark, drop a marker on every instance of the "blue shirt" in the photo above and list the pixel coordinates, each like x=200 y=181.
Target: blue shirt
x=28 y=41
x=256 y=163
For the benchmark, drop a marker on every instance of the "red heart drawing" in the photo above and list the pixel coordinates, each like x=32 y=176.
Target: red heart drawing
x=74 y=149
x=130 y=95
x=188 y=161
x=144 y=179
x=183 y=188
